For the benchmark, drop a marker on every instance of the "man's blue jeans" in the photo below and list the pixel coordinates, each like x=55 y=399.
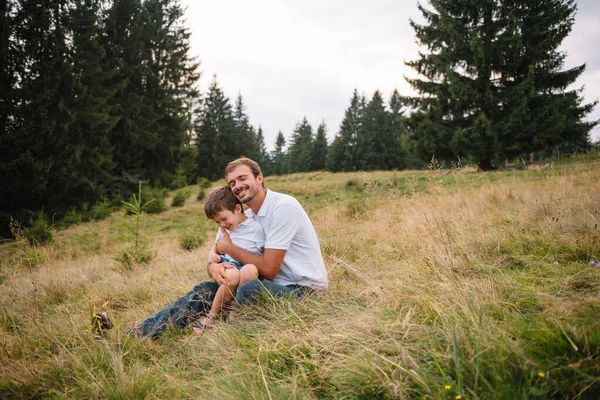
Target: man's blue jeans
x=198 y=301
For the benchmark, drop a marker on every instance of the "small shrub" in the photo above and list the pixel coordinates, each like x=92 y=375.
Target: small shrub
x=40 y=231
x=193 y=239
x=101 y=211
x=179 y=180
x=354 y=184
x=72 y=217
x=180 y=198
x=204 y=183
x=355 y=208
x=130 y=256
x=201 y=195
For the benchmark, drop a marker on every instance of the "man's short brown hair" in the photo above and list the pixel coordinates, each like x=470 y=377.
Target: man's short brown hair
x=218 y=199
x=253 y=165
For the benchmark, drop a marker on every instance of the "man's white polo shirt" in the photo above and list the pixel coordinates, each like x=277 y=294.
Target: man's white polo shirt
x=288 y=227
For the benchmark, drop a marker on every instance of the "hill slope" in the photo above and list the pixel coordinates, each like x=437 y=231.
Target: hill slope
x=443 y=284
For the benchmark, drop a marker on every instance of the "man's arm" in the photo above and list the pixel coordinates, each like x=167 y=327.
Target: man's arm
x=268 y=264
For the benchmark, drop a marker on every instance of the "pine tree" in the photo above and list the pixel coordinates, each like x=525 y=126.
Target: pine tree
x=342 y=155
x=130 y=138
x=8 y=65
x=39 y=159
x=300 y=149
x=398 y=129
x=263 y=158
x=496 y=87
x=320 y=148
x=245 y=143
x=279 y=156
x=215 y=133
x=11 y=55
x=540 y=112
x=94 y=109
x=169 y=89
x=377 y=145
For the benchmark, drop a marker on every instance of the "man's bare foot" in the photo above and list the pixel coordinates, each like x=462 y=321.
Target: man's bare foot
x=205 y=322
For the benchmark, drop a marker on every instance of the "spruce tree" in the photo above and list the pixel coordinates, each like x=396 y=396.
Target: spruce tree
x=169 y=89
x=39 y=162
x=342 y=155
x=215 y=133
x=244 y=143
x=279 y=156
x=94 y=108
x=11 y=56
x=320 y=148
x=398 y=129
x=130 y=138
x=300 y=149
x=262 y=157
x=493 y=83
x=540 y=112
x=377 y=145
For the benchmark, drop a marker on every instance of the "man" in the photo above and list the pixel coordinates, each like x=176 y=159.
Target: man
x=291 y=264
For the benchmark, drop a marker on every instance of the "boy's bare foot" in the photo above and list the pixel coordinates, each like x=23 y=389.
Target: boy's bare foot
x=231 y=317
x=205 y=322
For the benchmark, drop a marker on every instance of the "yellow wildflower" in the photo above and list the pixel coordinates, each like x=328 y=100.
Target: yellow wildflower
x=447 y=387
x=541 y=374
x=458 y=396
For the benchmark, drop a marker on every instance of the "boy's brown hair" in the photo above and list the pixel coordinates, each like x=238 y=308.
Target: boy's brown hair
x=218 y=199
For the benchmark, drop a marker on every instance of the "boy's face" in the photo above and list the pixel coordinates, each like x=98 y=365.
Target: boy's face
x=243 y=183
x=227 y=219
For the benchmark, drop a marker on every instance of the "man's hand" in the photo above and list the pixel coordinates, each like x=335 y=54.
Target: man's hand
x=217 y=273
x=223 y=243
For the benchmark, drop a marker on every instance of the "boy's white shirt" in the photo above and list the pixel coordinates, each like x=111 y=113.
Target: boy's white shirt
x=249 y=235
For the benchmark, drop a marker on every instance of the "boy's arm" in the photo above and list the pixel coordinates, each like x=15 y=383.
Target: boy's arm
x=267 y=264
x=213 y=255
x=215 y=269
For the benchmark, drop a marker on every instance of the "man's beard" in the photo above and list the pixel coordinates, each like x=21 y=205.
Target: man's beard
x=250 y=194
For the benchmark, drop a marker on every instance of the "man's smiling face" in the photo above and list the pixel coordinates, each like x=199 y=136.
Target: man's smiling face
x=243 y=183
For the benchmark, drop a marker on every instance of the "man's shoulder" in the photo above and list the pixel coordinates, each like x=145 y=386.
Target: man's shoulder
x=282 y=199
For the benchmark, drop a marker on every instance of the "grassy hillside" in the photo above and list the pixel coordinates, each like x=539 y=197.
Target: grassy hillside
x=444 y=284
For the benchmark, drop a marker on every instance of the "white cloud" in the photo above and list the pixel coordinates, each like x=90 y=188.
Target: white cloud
x=294 y=59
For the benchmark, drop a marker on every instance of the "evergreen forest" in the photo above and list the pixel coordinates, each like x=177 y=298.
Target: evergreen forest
x=97 y=95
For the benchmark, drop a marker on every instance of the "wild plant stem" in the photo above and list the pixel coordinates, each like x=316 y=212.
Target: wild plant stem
x=138 y=211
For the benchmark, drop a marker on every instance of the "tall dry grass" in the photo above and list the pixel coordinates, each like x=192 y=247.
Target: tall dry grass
x=446 y=284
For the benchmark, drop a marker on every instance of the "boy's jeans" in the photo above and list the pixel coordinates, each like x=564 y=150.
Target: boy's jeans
x=197 y=301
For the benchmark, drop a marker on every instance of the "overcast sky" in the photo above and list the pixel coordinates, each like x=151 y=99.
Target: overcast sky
x=291 y=59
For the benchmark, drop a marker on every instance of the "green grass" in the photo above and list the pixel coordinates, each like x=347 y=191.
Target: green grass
x=443 y=283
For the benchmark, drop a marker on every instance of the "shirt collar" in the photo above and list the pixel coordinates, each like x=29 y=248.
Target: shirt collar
x=250 y=216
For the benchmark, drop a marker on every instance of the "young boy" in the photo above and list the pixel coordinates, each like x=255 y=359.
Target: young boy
x=225 y=209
